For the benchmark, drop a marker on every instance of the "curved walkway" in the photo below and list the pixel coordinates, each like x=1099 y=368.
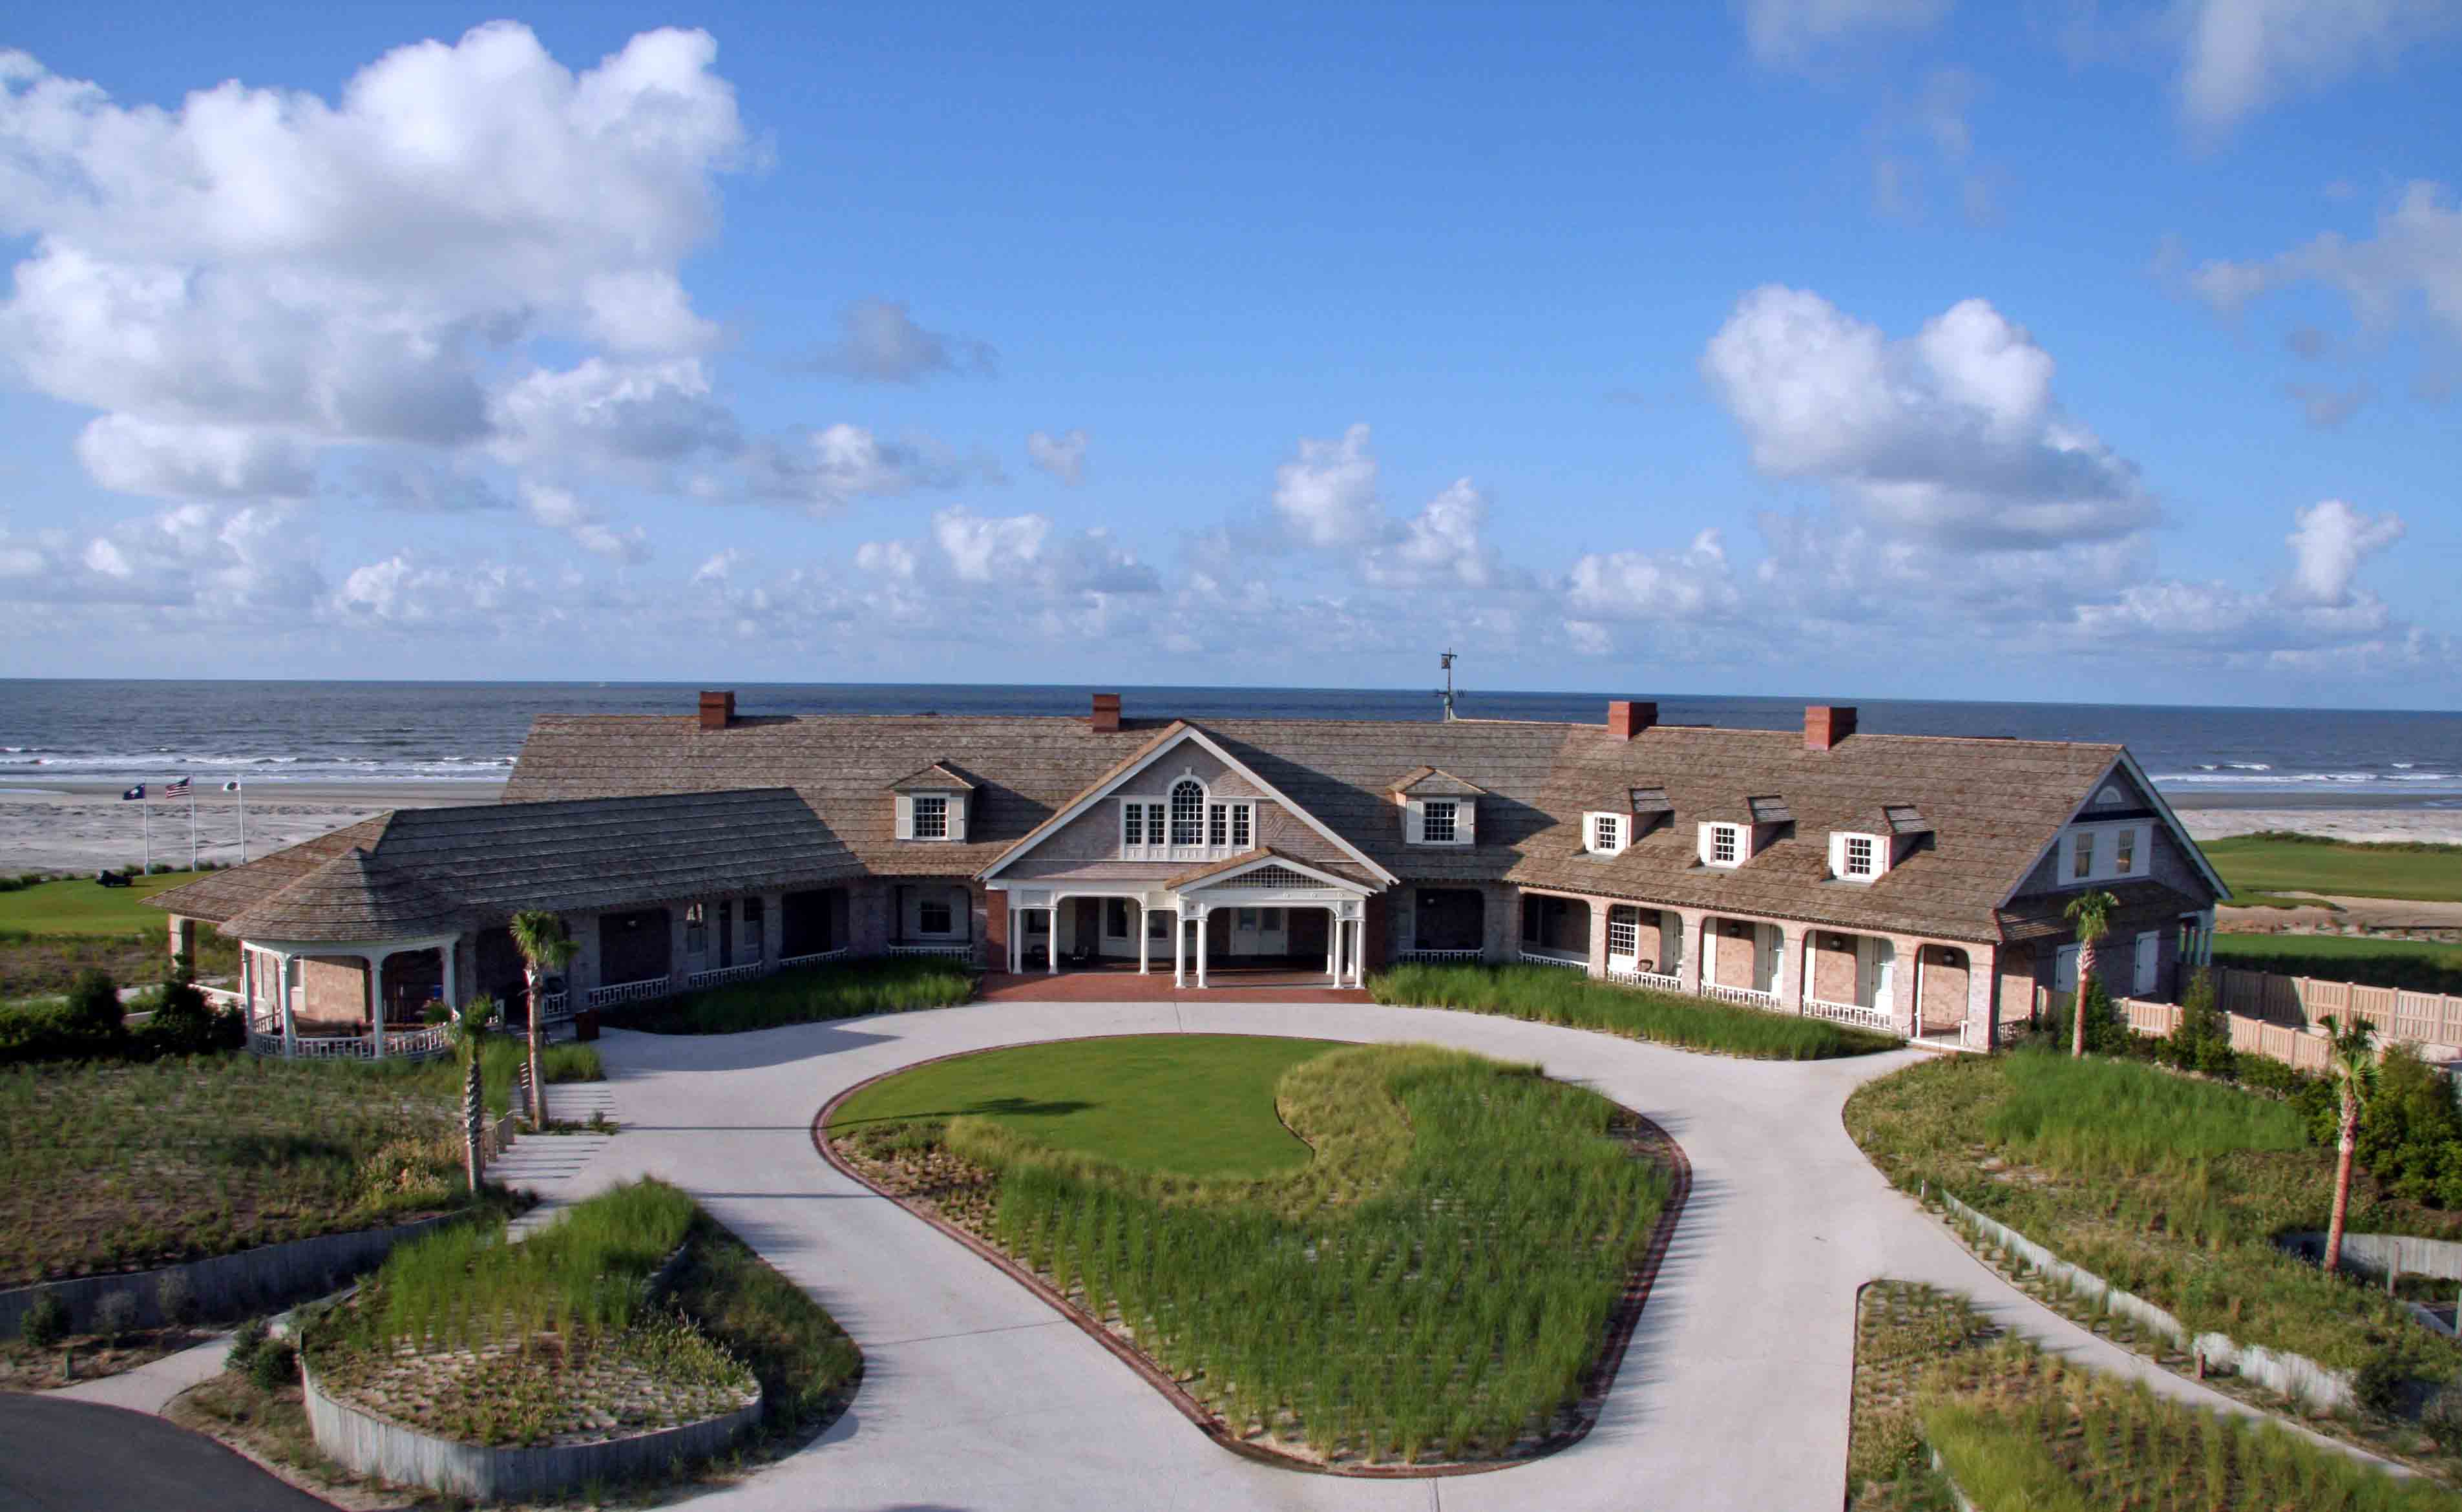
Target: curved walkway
x=976 y=1395
x=60 y=1456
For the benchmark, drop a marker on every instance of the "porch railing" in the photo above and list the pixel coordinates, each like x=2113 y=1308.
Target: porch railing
x=641 y=991
x=1440 y=958
x=1545 y=957
x=222 y=998
x=1742 y=997
x=1848 y=1013
x=812 y=958
x=554 y=1007
x=721 y=976
x=403 y=1044
x=964 y=951
x=1654 y=980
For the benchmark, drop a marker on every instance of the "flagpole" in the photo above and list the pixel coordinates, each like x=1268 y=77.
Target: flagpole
x=241 y=789
x=192 y=826
x=146 y=803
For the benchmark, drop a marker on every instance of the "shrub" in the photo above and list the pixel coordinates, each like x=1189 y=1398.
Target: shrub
x=2106 y=1032
x=176 y=1299
x=273 y=1365
x=2411 y=1140
x=93 y=999
x=1554 y=995
x=183 y=1022
x=2201 y=1041
x=114 y=1316
x=46 y=1321
x=53 y=1031
x=246 y=1340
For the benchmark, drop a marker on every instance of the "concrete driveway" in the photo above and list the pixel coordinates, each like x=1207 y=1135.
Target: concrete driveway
x=1734 y=1394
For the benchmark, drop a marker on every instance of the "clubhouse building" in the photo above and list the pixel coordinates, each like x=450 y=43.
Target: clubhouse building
x=1913 y=884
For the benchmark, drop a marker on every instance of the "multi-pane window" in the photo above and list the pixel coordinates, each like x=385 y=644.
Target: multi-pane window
x=1437 y=822
x=1606 y=833
x=1187 y=812
x=931 y=818
x=1859 y=856
x=1240 y=825
x=1115 y=918
x=1723 y=845
x=1133 y=824
x=1624 y=931
x=1270 y=920
x=1218 y=824
x=1248 y=920
x=933 y=917
x=1158 y=923
x=2082 y=858
x=2123 y=860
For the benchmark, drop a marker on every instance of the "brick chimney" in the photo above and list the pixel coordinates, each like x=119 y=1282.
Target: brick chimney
x=1627 y=719
x=1825 y=725
x=717 y=709
x=1105 y=717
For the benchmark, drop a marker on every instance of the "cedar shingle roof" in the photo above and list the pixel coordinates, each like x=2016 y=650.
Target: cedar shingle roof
x=935 y=778
x=1991 y=805
x=1428 y=782
x=491 y=860
x=350 y=898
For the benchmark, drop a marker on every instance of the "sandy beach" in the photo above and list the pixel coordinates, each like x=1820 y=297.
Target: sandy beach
x=2214 y=816
x=79 y=827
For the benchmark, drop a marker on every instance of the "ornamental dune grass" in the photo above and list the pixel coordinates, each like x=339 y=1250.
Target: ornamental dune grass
x=807 y=995
x=1436 y=1282
x=2068 y=1442
x=1555 y=995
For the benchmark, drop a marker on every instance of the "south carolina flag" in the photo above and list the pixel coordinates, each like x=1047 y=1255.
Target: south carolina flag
x=137 y=791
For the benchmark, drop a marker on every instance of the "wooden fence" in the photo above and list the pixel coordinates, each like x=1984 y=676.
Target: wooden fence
x=2282 y=1017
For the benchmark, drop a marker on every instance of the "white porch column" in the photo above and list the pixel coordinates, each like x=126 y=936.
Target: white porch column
x=1144 y=935
x=1203 y=915
x=282 y=992
x=1793 y=942
x=1178 y=946
x=1051 y=952
x=376 y=999
x=451 y=949
x=1333 y=946
x=1358 y=952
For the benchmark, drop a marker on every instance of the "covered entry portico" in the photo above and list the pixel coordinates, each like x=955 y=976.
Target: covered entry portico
x=1258 y=910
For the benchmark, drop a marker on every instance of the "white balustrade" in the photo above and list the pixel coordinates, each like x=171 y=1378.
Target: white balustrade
x=1539 y=957
x=554 y=1007
x=1654 y=980
x=1849 y=1013
x=1742 y=997
x=1441 y=958
x=812 y=958
x=629 y=992
x=958 y=952
x=721 y=976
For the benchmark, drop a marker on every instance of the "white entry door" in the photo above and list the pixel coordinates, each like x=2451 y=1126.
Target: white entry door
x=2148 y=947
x=1876 y=972
x=1766 y=942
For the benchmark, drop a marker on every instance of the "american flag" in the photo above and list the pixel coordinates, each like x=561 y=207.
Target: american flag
x=179 y=785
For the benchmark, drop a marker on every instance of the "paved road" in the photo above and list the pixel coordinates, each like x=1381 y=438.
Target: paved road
x=1734 y=1394
x=59 y=1456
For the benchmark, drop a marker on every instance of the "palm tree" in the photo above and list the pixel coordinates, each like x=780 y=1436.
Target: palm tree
x=2091 y=912
x=467 y=1028
x=2354 y=1062
x=540 y=937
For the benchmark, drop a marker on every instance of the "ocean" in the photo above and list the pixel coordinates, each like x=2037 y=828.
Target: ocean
x=380 y=732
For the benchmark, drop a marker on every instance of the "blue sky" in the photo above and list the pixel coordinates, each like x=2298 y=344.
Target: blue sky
x=1856 y=347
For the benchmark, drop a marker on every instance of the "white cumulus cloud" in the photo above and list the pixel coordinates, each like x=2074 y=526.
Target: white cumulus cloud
x=1326 y=495
x=2242 y=54
x=1063 y=456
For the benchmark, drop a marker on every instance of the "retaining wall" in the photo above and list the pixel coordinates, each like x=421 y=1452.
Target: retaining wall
x=374 y=1445
x=2292 y=1375
x=2389 y=1254
x=226 y=1285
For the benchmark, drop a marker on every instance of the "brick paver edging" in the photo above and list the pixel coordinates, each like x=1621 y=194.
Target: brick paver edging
x=1656 y=1141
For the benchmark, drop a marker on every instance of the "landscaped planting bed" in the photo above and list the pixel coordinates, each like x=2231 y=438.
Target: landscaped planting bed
x=1443 y=1281
x=2018 y=1428
x=806 y=995
x=1555 y=995
x=124 y=1167
x=2168 y=1187
x=555 y=1340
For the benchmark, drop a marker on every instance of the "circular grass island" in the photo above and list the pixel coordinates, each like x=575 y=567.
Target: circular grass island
x=1369 y=1258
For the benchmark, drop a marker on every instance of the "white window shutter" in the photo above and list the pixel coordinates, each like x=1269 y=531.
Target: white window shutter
x=1466 y=822
x=1701 y=843
x=1414 y=823
x=1837 y=854
x=905 y=816
x=957 y=815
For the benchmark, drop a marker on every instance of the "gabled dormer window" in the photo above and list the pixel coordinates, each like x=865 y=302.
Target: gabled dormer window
x=931 y=817
x=1440 y=821
x=931 y=803
x=1437 y=821
x=1606 y=833
x=1855 y=857
x=1727 y=844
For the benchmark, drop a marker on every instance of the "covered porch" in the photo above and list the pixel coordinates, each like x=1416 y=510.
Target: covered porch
x=1259 y=920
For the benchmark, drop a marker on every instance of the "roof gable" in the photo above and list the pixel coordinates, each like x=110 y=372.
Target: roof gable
x=938 y=777
x=1172 y=739
x=1435 y=782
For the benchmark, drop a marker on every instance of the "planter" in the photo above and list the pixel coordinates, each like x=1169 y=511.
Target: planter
x=378 y=1446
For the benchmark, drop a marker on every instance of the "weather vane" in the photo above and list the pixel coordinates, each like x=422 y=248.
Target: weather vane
x=1446 y=692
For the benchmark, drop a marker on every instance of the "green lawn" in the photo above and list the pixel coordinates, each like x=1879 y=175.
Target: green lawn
x=1434 y=1281
x=1195 y=1105
x=2169 y=1188
x=83 y=906
x=2281 y=861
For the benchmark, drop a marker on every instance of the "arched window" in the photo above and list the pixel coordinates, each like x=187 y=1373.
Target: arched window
x=1188 y=812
